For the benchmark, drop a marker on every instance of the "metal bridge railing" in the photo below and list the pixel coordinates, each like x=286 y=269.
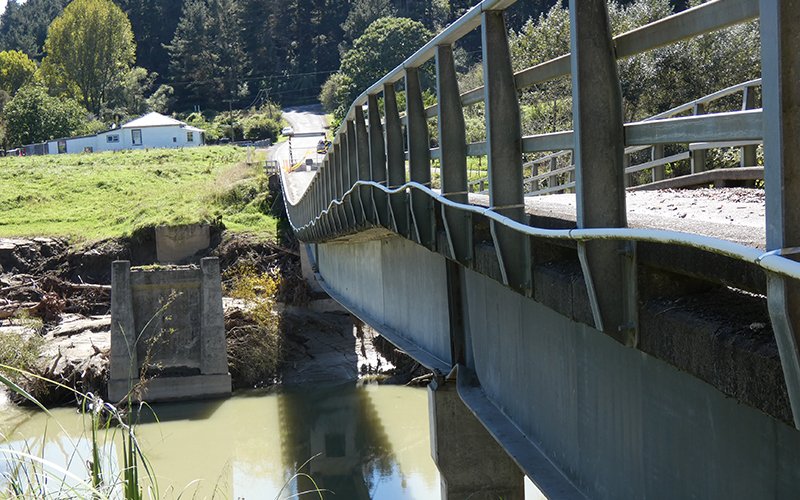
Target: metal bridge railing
x=364 y=179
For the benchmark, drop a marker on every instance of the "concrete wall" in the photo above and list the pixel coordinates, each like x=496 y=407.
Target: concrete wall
x=168 y=324
x=617 y=422
x=176 y=243
x=396 y=284
x=620 y=423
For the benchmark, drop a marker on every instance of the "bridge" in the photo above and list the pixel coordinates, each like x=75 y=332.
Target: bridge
x=600 y=354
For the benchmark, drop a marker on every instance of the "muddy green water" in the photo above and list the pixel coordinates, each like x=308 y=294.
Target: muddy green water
x=367 y=442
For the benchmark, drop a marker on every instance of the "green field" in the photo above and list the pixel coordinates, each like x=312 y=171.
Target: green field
x=93 y=196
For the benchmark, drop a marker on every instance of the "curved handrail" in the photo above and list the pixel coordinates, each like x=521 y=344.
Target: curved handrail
x=772 y=261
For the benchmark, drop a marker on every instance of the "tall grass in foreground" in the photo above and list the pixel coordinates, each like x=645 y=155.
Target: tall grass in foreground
x=30 y=475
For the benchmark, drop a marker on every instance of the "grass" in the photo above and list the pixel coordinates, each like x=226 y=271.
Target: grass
x=93 y=196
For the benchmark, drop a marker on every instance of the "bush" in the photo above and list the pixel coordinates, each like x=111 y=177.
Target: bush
x=261 y=126
x=34 y=116
x=254 y=333
x=21 y=349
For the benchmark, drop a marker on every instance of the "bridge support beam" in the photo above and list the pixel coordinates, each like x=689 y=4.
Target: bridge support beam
x=395 y=160
x=504 y=147
x=419 y=159
x=781 y=98
x=608 y=266
x=377 y=161
x=471 y=463
x=453 y=156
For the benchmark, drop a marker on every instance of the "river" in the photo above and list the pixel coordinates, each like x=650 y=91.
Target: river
x=368 y=442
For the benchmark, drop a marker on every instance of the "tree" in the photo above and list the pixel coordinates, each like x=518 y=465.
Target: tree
x=335 y=94
x=207 y=57
x=89 y=46
x=128 y=96
x=362 y=14
x=34 y=116
x=154 y=23
x=384 y=45
x=23 y=26
x=16 y=70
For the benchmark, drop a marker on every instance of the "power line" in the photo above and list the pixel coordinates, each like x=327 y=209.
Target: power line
x=252 y=78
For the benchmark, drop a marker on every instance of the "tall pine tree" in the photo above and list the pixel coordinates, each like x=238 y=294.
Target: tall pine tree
x=23 y=26
x=208 y=62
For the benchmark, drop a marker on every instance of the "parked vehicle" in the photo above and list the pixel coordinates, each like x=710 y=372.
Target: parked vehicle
x=322 y=147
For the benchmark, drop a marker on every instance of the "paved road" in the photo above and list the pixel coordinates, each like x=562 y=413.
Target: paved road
x=309 y=125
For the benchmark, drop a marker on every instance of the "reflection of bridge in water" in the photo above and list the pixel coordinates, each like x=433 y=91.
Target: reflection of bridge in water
x=603 y=355
x=339 y=427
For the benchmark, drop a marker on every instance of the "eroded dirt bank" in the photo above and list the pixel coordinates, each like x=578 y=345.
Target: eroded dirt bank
x=55 y=303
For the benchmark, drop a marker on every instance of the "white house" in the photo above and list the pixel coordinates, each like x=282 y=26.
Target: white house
x=152 y=130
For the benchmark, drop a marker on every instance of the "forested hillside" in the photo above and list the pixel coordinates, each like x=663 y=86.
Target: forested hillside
x=227 y=65
x=212 y=51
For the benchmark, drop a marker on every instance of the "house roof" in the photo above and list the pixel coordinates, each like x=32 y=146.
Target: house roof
x=193 y=129
x=152 y=120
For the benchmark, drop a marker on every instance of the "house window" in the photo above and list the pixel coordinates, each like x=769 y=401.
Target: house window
x=174 y=139
x=189 y=136
x=62 y=146
x=136 y=137
x=112 y=138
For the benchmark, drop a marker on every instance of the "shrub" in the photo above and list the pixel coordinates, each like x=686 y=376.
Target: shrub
x=260 y=126
x=253 y=333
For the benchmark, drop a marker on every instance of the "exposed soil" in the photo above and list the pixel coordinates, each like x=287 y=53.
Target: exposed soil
x=63 y=294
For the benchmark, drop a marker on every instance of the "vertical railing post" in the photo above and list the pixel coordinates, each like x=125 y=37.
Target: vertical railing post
x=343 y=179
x=656 y=153
x=362 y=159
x=504 y=148
x=318 y=202
x=698 y=156
x=377 y=160
x=352 y=164
x=308 y=202
x=747 y=155
x=332 y=194
x=608 y=266
x=419 y=159
x=553 y=179
x=323 y=195
x=781 y=99
x=395 y=159
x=626 y=162
x=453 y=155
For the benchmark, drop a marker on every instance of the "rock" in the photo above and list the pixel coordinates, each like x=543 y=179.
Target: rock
x=72 y=324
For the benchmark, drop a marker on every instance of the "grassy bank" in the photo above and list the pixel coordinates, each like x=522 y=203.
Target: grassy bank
x=100 y=195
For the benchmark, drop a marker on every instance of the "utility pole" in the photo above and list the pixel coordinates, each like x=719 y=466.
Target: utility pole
x=230 y=118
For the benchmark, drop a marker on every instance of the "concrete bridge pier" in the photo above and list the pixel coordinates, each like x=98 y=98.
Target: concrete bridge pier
x=470 y=462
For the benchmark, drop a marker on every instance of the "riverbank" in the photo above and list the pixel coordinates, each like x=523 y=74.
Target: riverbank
x=55 y=322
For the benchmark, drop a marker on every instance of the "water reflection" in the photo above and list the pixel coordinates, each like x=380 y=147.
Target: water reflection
x=369 y=442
